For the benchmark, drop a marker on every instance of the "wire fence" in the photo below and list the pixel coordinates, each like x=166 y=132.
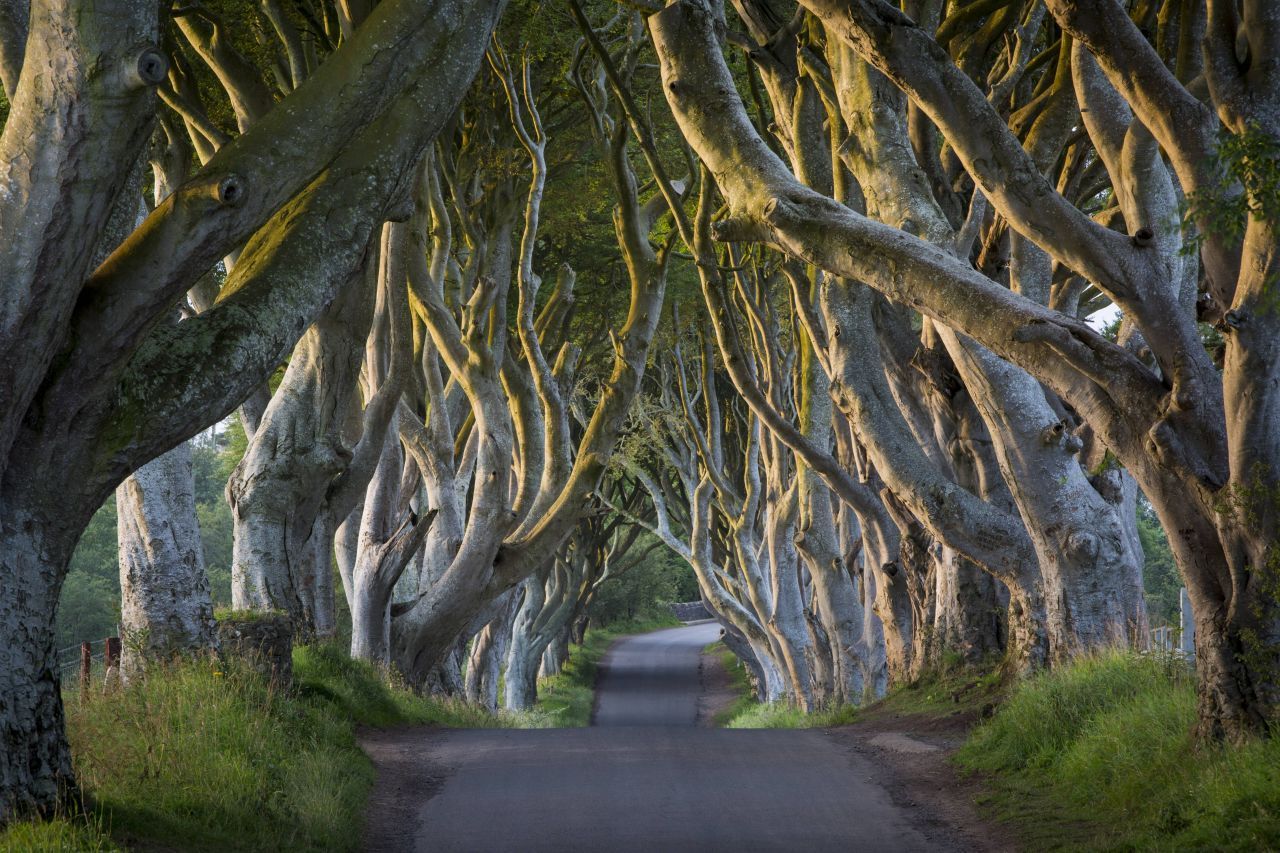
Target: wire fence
x=87 y=662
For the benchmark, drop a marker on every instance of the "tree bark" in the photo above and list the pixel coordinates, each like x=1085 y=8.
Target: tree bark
x=166 y=610
x=35 y=762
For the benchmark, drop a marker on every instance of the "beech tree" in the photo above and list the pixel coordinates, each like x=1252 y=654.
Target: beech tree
x=96 y=382
x=1159 y=408
x=884 y=428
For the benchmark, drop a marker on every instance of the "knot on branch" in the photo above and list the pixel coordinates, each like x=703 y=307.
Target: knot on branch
x=148 y=69
x=1053 y=433
x=1184 y=396
x=230 y=191
x=1143 y=237
x=1083 y=545
x=734 y=229
x=679 y=88
x=850 y=147
x=1059 y=434
x=1236 y=318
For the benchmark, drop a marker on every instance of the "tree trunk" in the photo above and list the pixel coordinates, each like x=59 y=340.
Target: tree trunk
x=371 y=621
x=277 y=491
x=489 y=652
x=165 y=610
x=521 y=684
x=787 y=620
x=968 y=623
x=556 y=655
x=35 y=760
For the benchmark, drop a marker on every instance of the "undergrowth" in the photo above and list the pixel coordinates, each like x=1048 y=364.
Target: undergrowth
x=951 y=689
x=1098 y=755
x=208 y=756
x=568 y=698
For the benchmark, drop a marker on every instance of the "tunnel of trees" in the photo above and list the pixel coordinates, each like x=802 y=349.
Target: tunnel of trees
x=898 y=334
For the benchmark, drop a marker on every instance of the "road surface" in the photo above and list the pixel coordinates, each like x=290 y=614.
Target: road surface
x=652 y=679
x=642 y=778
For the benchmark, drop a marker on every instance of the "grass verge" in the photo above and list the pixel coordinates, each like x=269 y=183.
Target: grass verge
x=567 y=698
x=781 y=715
x=205 y=756
x=1098 y=755
x=945 y=692
x=739 y=681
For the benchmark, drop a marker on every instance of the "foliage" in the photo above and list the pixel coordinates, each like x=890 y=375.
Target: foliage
x=1249 y=164
x=89 y=607
x=206 y=755
x=569 y=697
x=1099 y=755
x=643 y=592
x=1160 y=577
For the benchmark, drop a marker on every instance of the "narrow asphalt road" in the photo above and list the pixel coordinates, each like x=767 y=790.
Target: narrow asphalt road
x=653 y=679
x=643 y=778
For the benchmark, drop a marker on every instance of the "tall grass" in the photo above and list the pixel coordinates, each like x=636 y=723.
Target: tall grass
x=83 y=836
x=208 y=756
x=1099 y=755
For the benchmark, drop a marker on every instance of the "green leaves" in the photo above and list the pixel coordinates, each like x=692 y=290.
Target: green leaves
x=1248 y=186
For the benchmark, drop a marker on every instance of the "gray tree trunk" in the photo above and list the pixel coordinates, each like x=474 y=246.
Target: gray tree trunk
x=165 y=610
x=35 y=761
x=489 y=653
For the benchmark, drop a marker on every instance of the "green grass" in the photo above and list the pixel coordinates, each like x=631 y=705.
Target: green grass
x=950 y=690
x=946 y=691
x=781 y=715
x=1098 y=755
x=568 y=698
x=740 y=681
x=748 y=713
x=226 y=614
x=56 y=835
x=204 y=756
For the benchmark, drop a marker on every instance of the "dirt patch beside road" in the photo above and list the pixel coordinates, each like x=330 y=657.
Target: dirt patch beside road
x=718 y=691
x=912 y=755
x=404 y=783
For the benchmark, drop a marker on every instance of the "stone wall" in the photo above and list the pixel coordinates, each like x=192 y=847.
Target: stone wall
x=264 y=640
x=690 y=611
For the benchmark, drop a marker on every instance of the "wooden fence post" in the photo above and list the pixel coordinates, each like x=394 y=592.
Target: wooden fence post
x=110 y=652
x=86 y=666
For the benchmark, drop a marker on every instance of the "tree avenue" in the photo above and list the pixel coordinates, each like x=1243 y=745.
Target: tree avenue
x=889 y=321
